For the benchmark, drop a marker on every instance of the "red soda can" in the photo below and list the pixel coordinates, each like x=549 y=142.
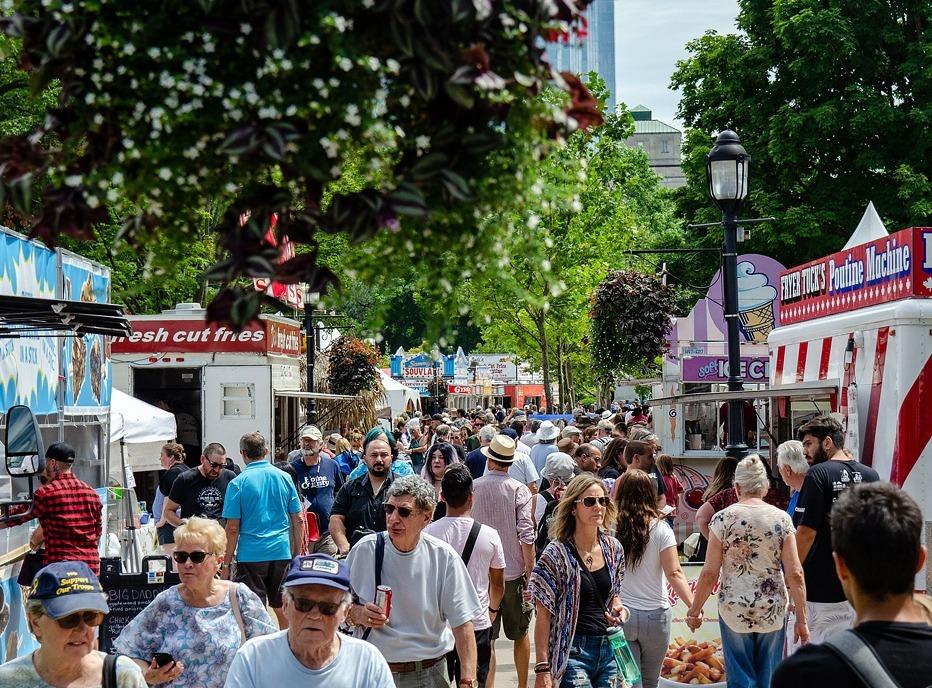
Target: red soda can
x=383 y=599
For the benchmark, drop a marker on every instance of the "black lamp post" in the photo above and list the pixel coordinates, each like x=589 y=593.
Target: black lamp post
x=727 y=175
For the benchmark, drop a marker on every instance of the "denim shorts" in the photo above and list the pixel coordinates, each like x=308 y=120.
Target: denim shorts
x=591 y=664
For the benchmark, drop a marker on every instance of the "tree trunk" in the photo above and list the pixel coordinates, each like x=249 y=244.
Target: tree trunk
x=540 y=321
x=561 y=382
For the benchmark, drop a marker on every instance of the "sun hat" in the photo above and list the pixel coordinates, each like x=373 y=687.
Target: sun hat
x=312 y=432
x=559 y=466
x=318 y=569
x=66 y=587
x=571 y=430
x=501 y=449
x=547 y=431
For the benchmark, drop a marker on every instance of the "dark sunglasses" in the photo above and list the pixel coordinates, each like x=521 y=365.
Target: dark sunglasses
x=403 y=511
x=73 y=620
x=305 y=606
x=196 y=557
x=216 y=465
x=590 y=501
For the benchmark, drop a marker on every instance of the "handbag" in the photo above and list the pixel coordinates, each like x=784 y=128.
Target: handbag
x=628 y=668
x=32 y=563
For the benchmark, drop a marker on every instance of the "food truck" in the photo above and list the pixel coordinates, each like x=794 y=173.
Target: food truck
x=55 y=371
x=856 y=340
x=689 y=404
x=218 y=383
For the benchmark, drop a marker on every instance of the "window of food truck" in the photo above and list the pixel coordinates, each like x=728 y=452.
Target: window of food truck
x=706 y=423
x=792 y=413
x=239 y=401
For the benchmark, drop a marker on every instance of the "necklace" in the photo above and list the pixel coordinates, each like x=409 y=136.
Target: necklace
x=587 y=557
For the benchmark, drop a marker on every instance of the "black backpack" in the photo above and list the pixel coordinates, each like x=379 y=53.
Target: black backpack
x=543 y=527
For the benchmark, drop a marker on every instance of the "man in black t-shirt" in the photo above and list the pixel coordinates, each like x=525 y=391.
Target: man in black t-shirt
x=876 y=537
x=832 y=473
x=200 y=491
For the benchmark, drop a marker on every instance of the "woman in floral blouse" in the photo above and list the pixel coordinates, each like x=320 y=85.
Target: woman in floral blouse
x=201 y=622
x=751 y=545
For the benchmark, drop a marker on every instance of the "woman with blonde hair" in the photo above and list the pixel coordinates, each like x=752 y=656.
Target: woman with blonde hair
x=201 y=622
x=576 y=588
x=650 y=553
x=752 y=551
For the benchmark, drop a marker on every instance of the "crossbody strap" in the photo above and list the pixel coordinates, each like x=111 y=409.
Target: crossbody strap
x=109 y=672
x=585 y=569
x=861 y=658
x=379 y=558
x=471 y=541
x=237 y=614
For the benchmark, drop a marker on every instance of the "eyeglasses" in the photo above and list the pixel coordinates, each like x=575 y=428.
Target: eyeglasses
x=214 y=464
x=403 y=511
x=305 y=606
x=591 y=501
x=196 y=557
x=73 y=620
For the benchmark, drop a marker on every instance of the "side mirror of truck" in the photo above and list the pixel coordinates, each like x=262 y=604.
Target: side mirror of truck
x=24 y=457
x=24 y=451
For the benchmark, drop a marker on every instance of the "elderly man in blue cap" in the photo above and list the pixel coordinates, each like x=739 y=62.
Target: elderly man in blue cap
x=311 y=652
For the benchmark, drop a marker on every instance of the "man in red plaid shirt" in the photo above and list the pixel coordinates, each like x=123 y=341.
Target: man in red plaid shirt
x=69 y=512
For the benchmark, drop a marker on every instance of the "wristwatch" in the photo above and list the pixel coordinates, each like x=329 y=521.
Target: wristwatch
x=469 y=683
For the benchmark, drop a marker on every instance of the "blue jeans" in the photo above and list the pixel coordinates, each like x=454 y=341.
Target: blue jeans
x=751 y=658
x=591 y=664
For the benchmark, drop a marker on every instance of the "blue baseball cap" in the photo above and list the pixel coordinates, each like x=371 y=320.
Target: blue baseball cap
x=318 y=569
x=66 y=587
x=510 y=432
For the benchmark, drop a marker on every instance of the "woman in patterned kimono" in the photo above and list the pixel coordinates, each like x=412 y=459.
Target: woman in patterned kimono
x=575 y=587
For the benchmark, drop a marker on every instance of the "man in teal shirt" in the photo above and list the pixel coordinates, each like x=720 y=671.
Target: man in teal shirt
x=263 y=524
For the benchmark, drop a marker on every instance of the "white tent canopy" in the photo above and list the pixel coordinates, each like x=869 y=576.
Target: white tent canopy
x=142 y=427
x=869 y=228
x=397 y=396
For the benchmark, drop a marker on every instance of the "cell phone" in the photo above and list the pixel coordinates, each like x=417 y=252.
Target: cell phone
x=163 y=658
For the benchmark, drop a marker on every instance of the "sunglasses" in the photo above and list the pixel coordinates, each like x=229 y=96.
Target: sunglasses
x=403 y=511
x=305 y=606
x=73 y=620
x=215 y=465
x=591 y=501
x=196 y=557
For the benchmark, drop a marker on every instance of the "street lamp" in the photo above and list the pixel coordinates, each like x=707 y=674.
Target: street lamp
x=727 y=176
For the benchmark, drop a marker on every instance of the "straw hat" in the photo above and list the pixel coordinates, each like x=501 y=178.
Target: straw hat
x=501 y=449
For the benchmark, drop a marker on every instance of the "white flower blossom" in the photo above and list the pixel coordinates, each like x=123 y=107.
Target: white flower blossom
x=245 y=28
x=345 y=64
x=392 y=65
x=422 y=142
x=533 y=221
x=165 y=174
x=73 y=180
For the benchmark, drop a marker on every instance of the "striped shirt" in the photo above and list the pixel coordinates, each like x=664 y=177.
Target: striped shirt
x=504 y=504
x=69 y=512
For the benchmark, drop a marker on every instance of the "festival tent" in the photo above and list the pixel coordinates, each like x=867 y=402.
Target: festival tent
x=142 y=429
x=397 y=396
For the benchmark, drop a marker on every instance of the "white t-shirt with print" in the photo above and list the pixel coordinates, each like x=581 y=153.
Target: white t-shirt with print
x=486 y=554
x=645 y=585
x=431 y=595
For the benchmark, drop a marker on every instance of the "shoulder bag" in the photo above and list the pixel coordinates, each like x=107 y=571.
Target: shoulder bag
x=109 y=672
x=862 y=659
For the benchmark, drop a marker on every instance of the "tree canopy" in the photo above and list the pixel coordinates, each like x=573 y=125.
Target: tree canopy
x=258 y=105
x=833 y=100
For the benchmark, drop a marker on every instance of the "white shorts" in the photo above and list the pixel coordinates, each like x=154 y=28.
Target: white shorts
x=825 y=620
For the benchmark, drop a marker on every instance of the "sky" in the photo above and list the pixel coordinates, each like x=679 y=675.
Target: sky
x=650 y=36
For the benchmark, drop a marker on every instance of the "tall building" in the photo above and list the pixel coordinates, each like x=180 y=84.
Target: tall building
x=663 y=145
x=594 y=53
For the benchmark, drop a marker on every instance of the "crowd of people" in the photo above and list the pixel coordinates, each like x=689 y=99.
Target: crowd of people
x=398 y=558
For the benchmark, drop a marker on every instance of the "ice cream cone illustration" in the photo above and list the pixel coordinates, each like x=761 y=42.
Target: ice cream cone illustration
x=755 y=303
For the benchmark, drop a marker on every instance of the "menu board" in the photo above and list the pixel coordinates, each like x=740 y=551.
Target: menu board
x=129 y=593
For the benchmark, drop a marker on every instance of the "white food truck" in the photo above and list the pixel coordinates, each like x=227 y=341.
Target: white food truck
x=218 y=383
x=856 y=340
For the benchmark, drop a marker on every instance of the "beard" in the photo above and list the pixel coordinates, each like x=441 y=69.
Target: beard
x=379 y=470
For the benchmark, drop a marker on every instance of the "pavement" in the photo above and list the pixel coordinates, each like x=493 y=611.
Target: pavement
x=506 y=676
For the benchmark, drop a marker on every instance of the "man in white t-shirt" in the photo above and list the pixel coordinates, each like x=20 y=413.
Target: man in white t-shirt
x=433 y=600
x=522 y=468
x=485 y=560
x=311 y=652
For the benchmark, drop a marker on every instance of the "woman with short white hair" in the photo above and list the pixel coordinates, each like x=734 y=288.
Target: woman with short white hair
x=751 y=545
x=792 y=464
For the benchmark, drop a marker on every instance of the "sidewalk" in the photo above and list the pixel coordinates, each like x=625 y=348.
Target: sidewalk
x=505 y=674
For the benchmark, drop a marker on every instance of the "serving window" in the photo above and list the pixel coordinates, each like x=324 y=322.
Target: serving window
x=706 y=423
